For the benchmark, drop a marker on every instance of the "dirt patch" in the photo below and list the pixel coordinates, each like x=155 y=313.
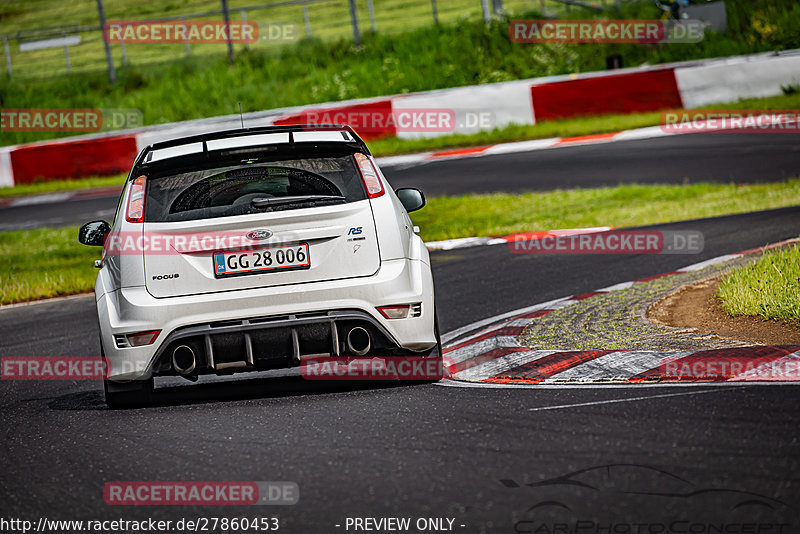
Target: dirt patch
x=695 y=308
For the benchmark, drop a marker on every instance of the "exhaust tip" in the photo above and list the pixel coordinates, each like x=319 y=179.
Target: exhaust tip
x=183 y=359
x=358 y=341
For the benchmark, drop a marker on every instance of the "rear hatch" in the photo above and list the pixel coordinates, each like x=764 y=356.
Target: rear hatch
x=260 y=224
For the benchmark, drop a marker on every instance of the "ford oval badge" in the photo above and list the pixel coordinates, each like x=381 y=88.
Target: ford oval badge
x=259 y=235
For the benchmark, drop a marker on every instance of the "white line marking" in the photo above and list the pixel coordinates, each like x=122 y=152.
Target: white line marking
x=581 y=231
x=49 y=198
x=632 y=399
x=648 y=132
x=617 y=287
x=521 y=146
x=463 y=242
x=403 y=159
x=703 y=264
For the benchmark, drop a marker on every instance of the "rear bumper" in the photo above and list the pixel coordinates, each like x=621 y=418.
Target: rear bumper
x=133 y=309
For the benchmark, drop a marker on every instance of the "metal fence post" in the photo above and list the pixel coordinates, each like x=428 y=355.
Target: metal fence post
x=186 y=44
x=244 y=23
x=306 y=20
x=371 y=15
x=66 y=54
x=226 y=17
x=354 y=21
x=112 y=73
x=485 y=6
x=124 y=52
x=435 y=12
x=498 y=6
x=8 y=56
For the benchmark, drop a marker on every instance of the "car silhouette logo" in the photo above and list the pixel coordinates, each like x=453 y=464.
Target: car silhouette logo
x=258 y=235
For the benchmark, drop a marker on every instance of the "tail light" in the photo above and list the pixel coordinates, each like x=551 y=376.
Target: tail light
x=135 y=212
x=401 y=312
x=369 y=175
x=137 y=339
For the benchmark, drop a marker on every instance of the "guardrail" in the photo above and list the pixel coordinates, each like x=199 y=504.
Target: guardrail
x=688 y=84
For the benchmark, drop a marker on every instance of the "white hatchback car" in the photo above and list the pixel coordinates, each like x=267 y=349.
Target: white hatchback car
x=249 y=249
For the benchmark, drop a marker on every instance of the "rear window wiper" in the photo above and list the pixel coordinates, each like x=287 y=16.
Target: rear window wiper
x=299 y=199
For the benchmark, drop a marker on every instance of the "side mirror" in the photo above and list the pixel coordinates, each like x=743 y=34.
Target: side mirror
x=94 y=233
x=411 y=198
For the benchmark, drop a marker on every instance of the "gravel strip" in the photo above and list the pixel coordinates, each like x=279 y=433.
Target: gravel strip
x=618 y=320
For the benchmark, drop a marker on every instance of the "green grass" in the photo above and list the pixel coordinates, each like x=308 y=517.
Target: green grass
x=44 y=263
x=47 y=263
x=766 y=289
x=625 y=205
x=62 y=185
x=455 y=53
x=330 y=20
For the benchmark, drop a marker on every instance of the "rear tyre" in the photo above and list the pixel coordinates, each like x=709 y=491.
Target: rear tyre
x=436 y=352
x=437 y=349
x=128 y=395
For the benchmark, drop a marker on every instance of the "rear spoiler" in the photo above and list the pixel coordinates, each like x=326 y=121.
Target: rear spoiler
x=205 y=149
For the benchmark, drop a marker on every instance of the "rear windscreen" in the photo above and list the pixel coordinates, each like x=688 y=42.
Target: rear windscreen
x=228 y=191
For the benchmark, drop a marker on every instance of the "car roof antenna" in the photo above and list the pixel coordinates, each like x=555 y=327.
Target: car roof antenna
x=241 y=117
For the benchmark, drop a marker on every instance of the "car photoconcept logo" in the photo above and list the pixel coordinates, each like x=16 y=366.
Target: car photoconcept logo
x=258 y=235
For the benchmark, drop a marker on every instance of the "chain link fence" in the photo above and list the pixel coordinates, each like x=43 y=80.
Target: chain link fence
x=67 y=37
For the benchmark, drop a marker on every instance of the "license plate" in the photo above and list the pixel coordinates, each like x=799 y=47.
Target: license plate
x=271 y=259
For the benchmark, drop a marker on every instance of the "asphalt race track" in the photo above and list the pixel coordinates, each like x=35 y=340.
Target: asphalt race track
x=714 y=157
x=717 y=157
x=693 y=452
